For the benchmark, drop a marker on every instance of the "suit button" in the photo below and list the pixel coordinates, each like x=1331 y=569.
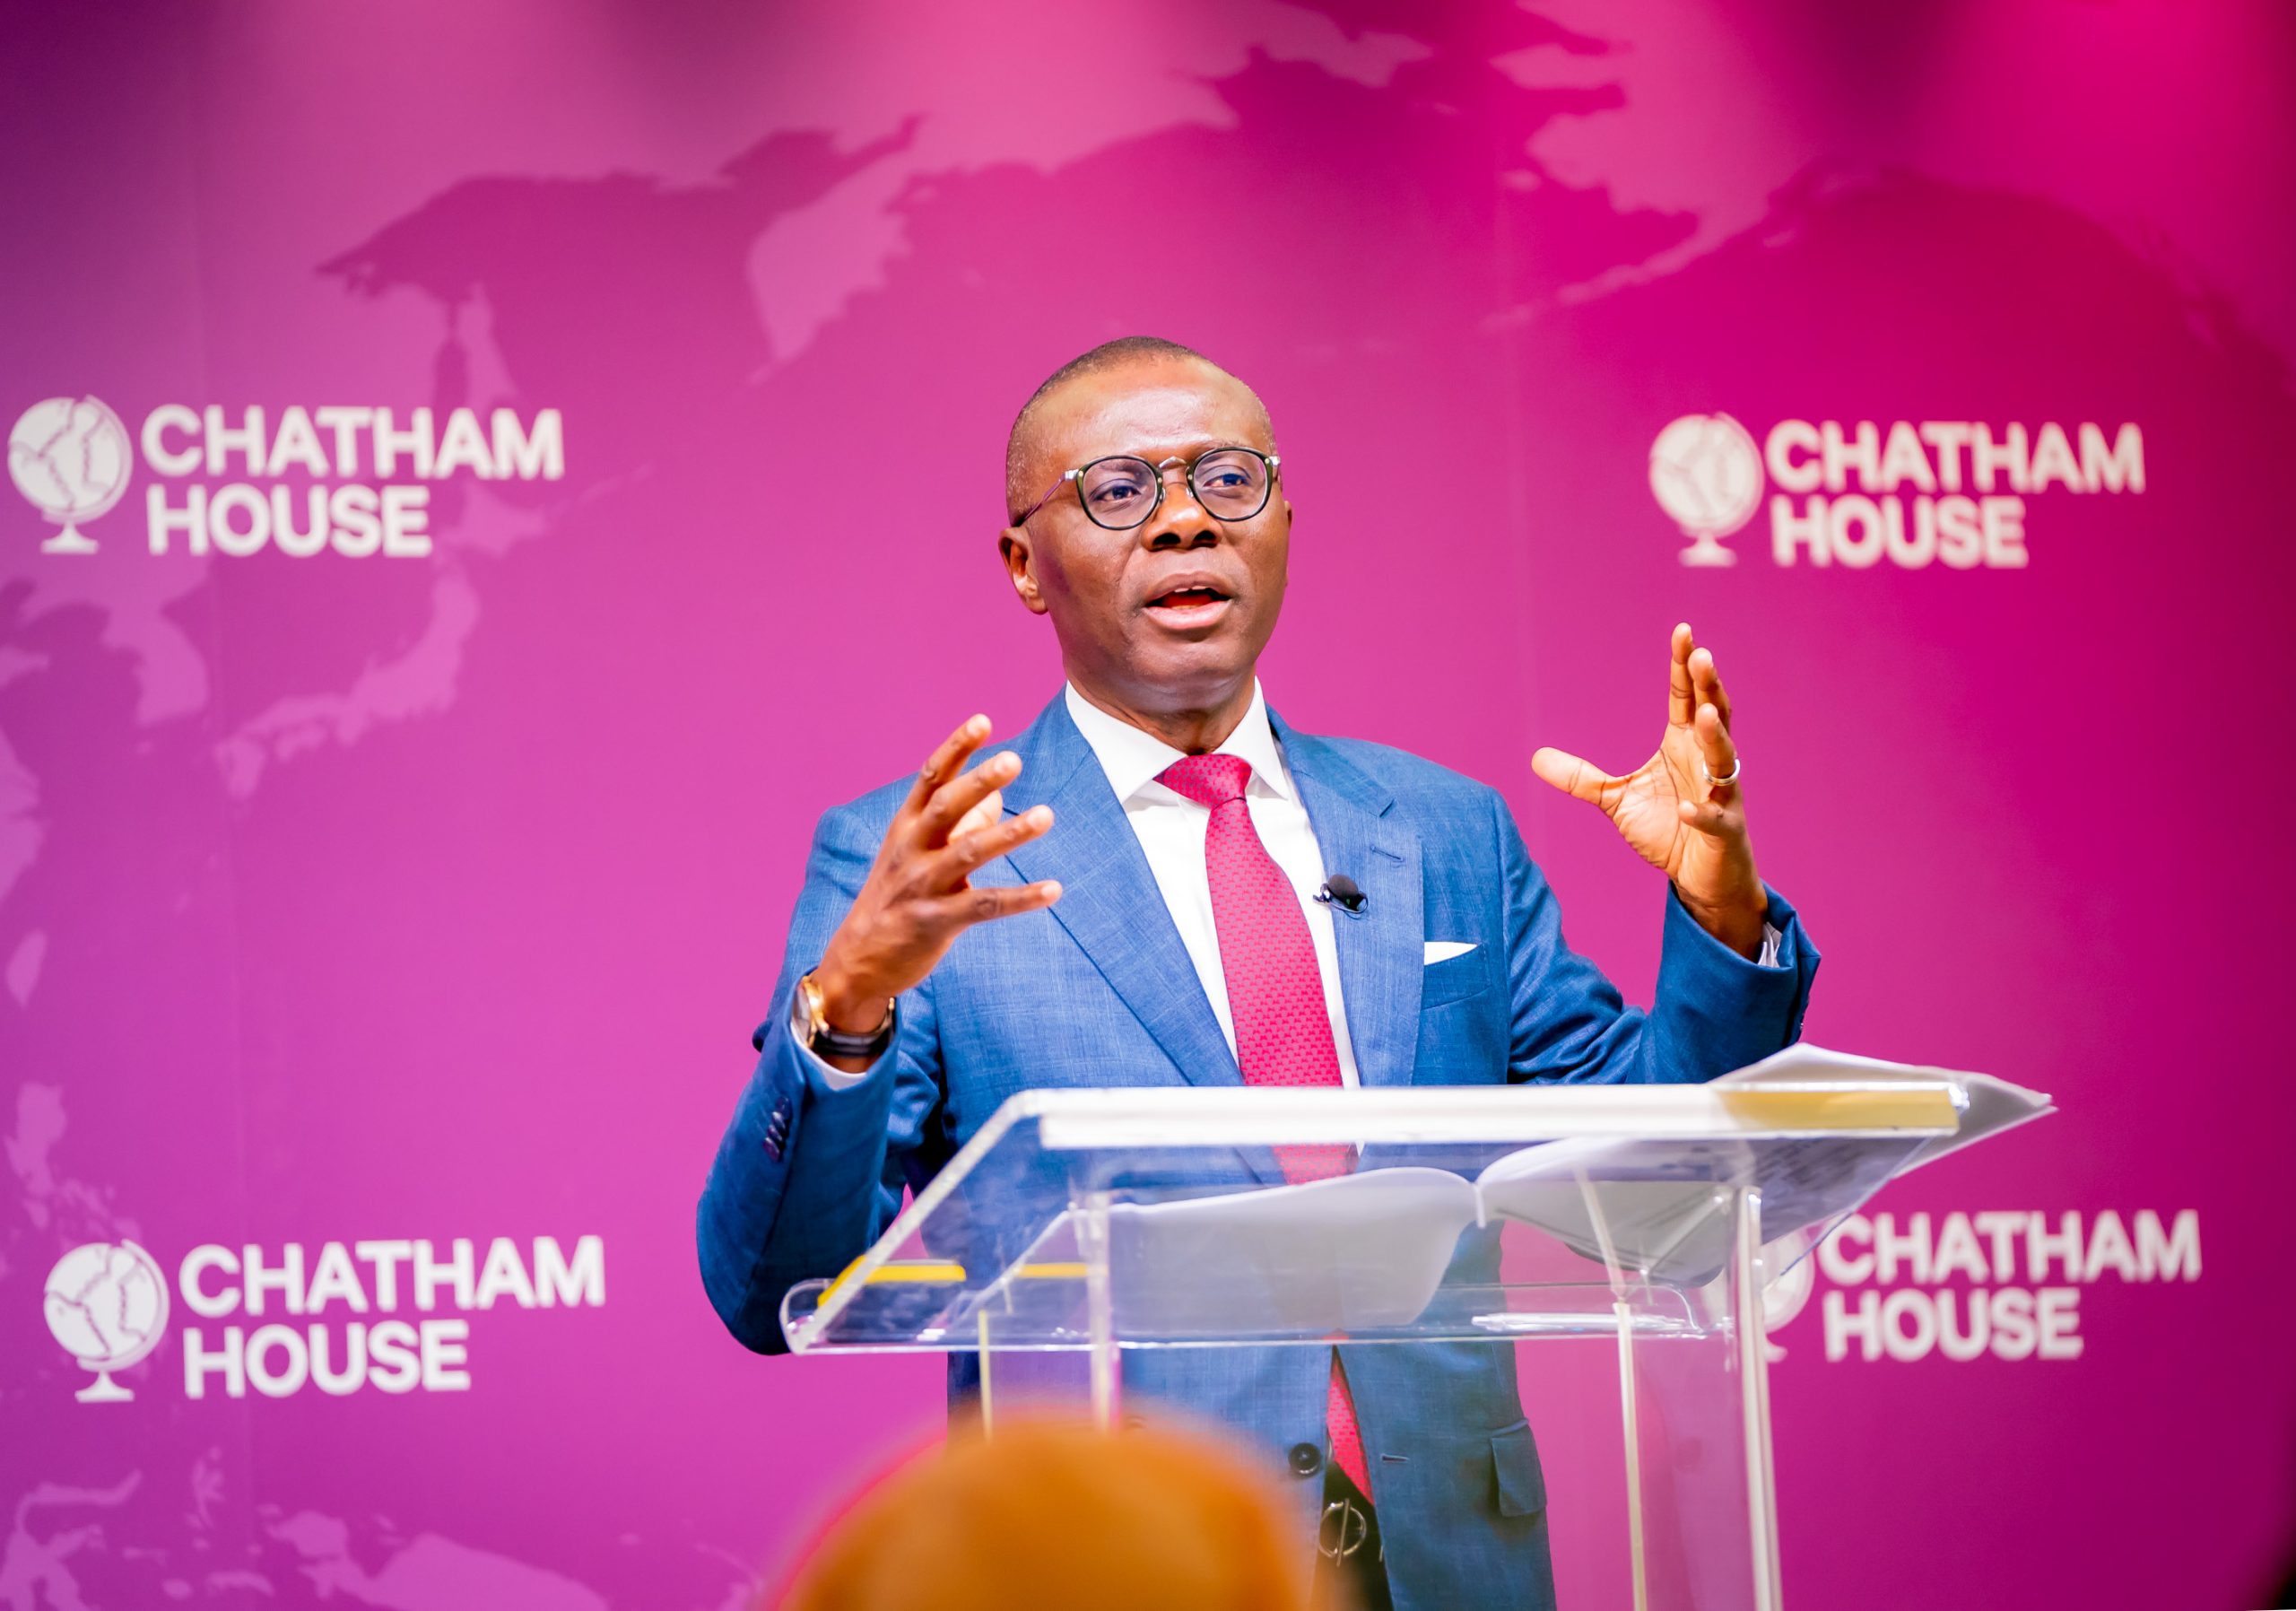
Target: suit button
x=1306 y=1459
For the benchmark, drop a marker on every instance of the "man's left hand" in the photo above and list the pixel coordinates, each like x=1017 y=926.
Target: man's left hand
x=1674 y=812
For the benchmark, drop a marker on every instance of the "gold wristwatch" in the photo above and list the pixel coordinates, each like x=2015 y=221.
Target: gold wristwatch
x=826 y=1041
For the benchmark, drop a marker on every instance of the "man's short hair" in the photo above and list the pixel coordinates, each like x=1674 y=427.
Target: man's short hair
x=1108 y=355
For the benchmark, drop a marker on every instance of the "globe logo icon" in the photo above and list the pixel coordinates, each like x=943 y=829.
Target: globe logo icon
x=1706 y=474
x=107 y=1303
x=70 y=457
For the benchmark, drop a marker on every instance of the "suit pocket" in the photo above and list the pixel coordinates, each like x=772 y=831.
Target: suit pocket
x=1514 y=1467
x=1457 y=978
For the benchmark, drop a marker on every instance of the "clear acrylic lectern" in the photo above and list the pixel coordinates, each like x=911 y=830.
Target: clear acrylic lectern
x=1640 y=1224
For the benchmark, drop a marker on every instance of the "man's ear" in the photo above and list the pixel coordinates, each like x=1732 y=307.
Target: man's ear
x=1020 y=566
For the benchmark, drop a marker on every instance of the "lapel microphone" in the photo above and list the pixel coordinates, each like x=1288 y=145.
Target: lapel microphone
x=1339 y=889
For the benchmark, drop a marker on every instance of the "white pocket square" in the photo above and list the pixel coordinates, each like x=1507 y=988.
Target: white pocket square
x=1443 y=951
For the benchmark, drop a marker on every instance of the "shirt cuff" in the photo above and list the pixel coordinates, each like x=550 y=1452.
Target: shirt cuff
x=839 y=1079
x=1771 y=939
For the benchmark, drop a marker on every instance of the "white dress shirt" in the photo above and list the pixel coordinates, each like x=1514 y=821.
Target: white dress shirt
x=1171 y=830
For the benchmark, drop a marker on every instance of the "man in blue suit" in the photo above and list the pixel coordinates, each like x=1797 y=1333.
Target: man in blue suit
x=1128 y=895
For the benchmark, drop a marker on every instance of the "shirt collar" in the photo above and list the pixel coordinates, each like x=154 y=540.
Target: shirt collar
x=1132 y=758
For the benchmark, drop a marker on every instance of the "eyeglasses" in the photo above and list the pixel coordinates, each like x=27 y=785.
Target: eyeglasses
x=1121 y=491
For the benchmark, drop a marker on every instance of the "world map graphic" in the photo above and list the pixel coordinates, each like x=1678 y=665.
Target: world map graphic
x=316 y=880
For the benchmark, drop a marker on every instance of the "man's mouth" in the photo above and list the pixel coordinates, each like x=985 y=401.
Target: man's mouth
x=1193 y=602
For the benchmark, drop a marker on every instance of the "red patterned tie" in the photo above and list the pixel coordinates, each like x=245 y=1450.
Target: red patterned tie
x=1275 y=998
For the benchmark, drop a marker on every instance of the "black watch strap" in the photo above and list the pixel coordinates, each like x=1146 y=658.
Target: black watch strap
x=825 y=1039
x=829 y=1042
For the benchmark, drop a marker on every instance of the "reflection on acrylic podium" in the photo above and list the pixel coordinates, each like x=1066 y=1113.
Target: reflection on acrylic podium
x=1091 y=1244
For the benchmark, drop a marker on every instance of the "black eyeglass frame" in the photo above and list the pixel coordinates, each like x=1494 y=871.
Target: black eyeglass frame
x=1156 y=474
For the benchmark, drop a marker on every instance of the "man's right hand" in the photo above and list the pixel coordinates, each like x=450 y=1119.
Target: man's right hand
x=917 y=899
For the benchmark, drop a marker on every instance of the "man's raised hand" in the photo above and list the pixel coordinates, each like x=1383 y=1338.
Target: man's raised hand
x=917 y=897
x=1674 y=812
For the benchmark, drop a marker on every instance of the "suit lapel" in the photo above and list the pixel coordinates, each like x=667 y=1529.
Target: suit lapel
x=1382 y=950
x=1108 y=903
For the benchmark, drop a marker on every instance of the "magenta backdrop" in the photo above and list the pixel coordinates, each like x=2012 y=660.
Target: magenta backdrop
x=432 y=895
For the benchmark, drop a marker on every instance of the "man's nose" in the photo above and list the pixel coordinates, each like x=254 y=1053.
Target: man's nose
x=1179 y=520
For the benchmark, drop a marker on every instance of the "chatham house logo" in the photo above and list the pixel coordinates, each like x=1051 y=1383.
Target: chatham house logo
x=1855 y=494
x=71 y=458
x=353 y=480
x=107 y=1303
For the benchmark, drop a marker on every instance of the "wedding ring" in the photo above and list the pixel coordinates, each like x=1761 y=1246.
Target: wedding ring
x=1737 y=765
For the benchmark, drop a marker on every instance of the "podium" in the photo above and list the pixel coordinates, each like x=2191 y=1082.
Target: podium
x=1134 y=1245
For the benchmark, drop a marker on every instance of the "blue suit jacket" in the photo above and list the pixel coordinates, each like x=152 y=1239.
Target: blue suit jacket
x=1099 y=990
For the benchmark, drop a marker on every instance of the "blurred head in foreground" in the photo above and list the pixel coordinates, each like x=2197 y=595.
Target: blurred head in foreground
x=1049 y=1513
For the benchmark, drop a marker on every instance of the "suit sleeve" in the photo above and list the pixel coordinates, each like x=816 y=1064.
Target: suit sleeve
x=1715 y=1011
x=810 y=1171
